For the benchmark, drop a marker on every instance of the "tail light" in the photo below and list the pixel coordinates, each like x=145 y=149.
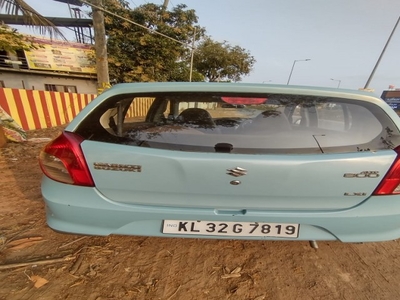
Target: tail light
x=390 y=184
x=63 y=160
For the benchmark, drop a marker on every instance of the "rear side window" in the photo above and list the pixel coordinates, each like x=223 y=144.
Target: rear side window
x=233 y=123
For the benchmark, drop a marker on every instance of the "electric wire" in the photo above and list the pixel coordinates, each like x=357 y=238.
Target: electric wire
x=137 y=24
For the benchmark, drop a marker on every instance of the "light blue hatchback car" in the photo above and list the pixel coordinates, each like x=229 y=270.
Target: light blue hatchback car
x=227 y=161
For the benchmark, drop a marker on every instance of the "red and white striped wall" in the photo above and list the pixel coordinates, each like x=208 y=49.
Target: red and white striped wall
x=34 y=109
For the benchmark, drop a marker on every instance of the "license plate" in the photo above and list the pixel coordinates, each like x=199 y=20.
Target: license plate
x=231 y=228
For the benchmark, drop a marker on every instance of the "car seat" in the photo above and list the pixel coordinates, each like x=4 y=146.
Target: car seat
x=196 y=117
x=267 y=122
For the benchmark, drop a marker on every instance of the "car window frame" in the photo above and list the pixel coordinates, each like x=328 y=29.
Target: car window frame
x=91 y=121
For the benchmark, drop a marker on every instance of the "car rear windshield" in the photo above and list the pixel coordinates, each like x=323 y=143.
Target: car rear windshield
x=241 y=123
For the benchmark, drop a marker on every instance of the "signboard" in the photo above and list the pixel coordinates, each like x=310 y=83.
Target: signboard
x=392 y=98
x=63 y=56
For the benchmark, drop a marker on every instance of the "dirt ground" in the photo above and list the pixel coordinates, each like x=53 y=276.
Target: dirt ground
x=38 y=263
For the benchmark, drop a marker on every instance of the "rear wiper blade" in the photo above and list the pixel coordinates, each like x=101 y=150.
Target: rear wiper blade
x=319 y=146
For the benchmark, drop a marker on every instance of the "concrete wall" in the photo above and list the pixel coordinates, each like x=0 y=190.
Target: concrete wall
x=41 y=109
x=33 y=109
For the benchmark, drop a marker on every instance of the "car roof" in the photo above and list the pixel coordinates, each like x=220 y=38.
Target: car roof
x=123 y=88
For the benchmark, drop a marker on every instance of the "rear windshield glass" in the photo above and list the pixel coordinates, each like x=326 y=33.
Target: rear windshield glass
x=241 y=123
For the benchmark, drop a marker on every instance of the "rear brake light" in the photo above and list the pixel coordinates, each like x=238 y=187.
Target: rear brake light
x=390 y=184
x=63 y=160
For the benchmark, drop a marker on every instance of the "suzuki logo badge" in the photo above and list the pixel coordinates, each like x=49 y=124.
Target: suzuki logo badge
x=236 y=172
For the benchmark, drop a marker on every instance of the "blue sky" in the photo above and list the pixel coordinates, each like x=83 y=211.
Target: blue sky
x=342 y=38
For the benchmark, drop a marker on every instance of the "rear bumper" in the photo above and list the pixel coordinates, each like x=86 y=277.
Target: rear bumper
x=83 y=210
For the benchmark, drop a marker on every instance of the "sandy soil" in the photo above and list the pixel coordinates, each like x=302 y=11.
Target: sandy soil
x=38 y=263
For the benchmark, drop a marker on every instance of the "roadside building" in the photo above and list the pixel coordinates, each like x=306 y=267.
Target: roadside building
x=57 y=66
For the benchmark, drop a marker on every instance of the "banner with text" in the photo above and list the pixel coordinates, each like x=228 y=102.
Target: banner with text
x=64 y=56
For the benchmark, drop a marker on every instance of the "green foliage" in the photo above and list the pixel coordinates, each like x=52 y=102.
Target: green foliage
x=221 y=61
x=11 y=40
x=181 y=72
x=136 y=54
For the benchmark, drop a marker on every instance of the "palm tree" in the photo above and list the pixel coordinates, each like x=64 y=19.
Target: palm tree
x=31 y=17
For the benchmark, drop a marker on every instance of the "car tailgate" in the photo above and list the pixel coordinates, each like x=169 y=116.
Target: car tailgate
x=137 y=175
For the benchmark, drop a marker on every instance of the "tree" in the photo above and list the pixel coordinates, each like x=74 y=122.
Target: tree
x=181 y=72
x=11 y=40
x=31 y=17
x=152 y=43
x=221 y=61
x=137 y=54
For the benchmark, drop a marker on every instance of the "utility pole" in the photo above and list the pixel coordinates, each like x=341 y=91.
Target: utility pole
x=100 y=42
x=380 y=56
x=191 y=55
x=100 y=45
x=165 y=4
